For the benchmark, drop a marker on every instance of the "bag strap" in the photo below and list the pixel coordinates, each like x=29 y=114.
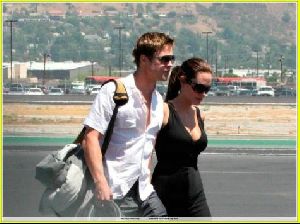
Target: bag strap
x=109 y=131
x=120 y=98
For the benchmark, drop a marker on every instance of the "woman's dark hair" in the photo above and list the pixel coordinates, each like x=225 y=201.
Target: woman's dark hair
x=189 y=69
x=174 y=84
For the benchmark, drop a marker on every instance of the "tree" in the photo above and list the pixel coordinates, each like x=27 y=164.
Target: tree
x=227 y=33
x=286 y=17
x=4 y=8
x=256 y=47
x=140 y=10
x=172 y=14
x=188 y=44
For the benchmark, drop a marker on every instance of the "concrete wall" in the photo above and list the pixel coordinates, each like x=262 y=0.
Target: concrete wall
x=19 y=71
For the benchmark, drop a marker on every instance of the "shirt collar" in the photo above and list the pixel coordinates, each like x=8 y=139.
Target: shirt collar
x=129 y=82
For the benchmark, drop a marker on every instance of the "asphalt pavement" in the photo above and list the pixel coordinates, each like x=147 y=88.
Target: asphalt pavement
x=238 y=186
x=243 y=181
x=87 y=99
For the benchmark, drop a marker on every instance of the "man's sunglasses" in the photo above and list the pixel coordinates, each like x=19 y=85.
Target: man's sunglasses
x=198 y=87
x=166 y=58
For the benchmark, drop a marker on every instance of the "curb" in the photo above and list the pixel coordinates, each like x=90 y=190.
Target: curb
x=249 y=151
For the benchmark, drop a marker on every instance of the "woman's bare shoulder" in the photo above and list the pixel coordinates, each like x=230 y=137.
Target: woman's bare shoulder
x=166 y=114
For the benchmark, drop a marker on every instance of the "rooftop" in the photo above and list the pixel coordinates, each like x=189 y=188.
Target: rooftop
x=50 y=65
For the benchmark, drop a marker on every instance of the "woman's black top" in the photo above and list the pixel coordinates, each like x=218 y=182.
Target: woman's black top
x=176 y=178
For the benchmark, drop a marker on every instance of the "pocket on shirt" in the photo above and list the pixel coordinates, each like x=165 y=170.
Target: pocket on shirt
x=127 y=123
x=126 y=117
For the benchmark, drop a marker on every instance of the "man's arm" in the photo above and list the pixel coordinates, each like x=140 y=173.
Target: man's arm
x=93 y=158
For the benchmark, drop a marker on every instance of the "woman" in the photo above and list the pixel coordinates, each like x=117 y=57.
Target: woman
x=176 y=177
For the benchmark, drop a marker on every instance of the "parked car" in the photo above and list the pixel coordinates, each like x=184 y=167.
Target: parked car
x=222 y=91
x=88 y=89
x=16 y=85
x=254 y=92
x=6 y=87
x=34 y=91
x=212 y=91
x=244 y=92
x=77 y=88
x=56 y=91
x=265 y=91
x=285 y=91
x=65 y=87
x=162 y=89
x=234 y=90
x=95 y=90
x=43 y=88
x=16 y=91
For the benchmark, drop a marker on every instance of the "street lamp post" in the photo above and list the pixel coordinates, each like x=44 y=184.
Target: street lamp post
x=92 y=68
x=120 y=47
x=269 y=64
x=281 y=59
x=226 y=63
x=44 y=74
x=11 y=37
x=256 y=63
x=207 y=32
x=216 y=59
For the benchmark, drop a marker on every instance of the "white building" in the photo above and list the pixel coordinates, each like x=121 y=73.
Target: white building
x=249 y=72
x=53 y=70
x=19 y=71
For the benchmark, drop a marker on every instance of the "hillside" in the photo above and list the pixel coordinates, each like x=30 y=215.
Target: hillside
x=267 y=12
x=239 y=30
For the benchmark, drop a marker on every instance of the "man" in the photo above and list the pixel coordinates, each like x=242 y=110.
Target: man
x=124 y=174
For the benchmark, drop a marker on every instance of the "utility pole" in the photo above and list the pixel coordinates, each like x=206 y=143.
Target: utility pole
x=281 y=59
x=216 y=59
x=226 y=63
x=207 y=32
x=120 y=48
x=269 y=63
x=45 y=59
x=11 y=21
x=92 y=68
x=256 y=63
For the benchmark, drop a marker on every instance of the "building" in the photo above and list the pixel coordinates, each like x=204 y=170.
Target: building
x=19 y=71
x=250 y=72
x=28 y=71
x=243 y=82
x=60 y=70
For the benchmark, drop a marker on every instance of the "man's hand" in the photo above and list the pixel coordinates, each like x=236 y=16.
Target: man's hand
x=93 y=158
x=103 y=191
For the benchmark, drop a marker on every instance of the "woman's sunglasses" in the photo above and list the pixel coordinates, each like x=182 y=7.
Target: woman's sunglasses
x=198 y=87
x=166 y=58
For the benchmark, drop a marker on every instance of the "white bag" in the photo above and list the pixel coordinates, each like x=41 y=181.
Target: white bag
x=73 y=178
x=75 y=196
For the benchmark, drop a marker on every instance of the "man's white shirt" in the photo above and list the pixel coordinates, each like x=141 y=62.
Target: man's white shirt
x=132 y=142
